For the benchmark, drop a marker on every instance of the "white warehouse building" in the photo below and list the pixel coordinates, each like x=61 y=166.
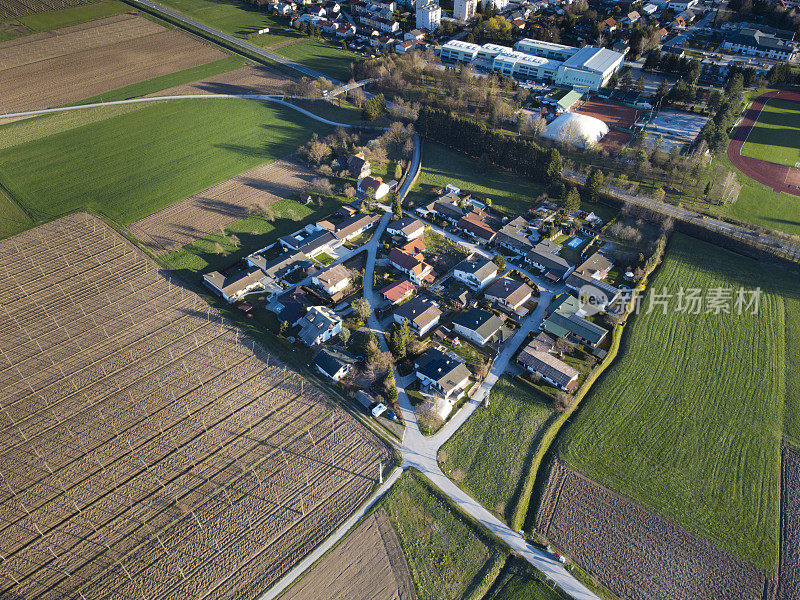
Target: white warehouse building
x=587 y=68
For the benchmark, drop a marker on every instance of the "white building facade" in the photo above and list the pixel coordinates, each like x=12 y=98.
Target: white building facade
x=464 y=10
x=429 y=16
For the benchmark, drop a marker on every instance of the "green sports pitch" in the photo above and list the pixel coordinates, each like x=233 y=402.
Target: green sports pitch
x=775 y=137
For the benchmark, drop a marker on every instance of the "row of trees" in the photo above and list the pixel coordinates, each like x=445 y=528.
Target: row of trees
x=727 y=108
x=476 y=139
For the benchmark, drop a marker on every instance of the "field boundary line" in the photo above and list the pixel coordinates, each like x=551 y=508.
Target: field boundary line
x=331 y=541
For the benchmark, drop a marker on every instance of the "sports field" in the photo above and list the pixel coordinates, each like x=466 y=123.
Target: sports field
x=134 y=162
x=489 y=455
x=775 y=137
x=689 y=422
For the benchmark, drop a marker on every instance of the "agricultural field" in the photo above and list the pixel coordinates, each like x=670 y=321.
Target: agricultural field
x=134 y=162
x=61 y=17
x=196 y=217
x=39 y=71
x=775 y=137
x=488 y=456
x=510 y=193
x=430 y=528
x=251 y=79
x=702 y=446
x=149 y=448
x=10 y=9
x=368 y=564
x=635 y=553
x=789 y=570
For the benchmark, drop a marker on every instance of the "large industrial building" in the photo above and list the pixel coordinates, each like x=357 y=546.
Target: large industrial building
x=587 y=68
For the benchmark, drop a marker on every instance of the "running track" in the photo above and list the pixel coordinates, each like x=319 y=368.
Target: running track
x=768 y=173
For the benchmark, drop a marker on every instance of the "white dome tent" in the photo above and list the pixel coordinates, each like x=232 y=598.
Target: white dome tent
x=576 y=129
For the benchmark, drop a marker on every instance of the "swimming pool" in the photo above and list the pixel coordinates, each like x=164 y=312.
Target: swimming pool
x=575 y=242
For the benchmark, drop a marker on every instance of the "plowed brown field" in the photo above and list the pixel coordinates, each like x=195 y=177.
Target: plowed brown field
x=55 y=68
x=196 y=217
x=19 y=8
x=634 y=552
x=368 y=565
x=147 y=448
x=253 y=79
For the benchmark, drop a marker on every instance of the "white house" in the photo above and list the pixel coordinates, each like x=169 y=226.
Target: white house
x=232 y=287
x=422 y=315
x=478 y=325
x=476 y=272
x=334 y=363
x=442 y=373
x=429 y=16
x=333 y=279
x=408 y=228
x=319 y=325
x=374 y=185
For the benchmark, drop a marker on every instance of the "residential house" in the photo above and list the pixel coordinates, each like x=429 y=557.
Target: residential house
x=416 y=35
x=351 y=227
x=538 y=357
x=234 y=286
x=514 y=236
x=358 y=166
x=479 y=326
x=404 y=46
x=396 y=292
x=609 y=25
x=442 y=372
x=448 y=207
x=632 y=17
x=548 y=262
x=374 y=186
x=279 y=267
x=407 y=227
x=564 y=321
x=649 y=9
x=593 y=292
x=412 y=265
x=334 y=363
x=311 y=240
x=291 y=305
x=508 y=293
x=318 y=325
x=473 y=223
x=344 y=30
x=422 y=315
x=476 y=272
x=597 y=266
x=333 y=280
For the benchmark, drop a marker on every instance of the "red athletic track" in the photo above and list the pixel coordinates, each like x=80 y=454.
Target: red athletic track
x=768 y=173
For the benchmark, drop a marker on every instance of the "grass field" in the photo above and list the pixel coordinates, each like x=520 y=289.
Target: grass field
x=236 y=18
x=430 y=530
x=321 y=56
x=689 y=422
x=65 y=17
x=129 y=165
x=440 y=166
x=488 y=456
x=776 y=135
x=519 y=581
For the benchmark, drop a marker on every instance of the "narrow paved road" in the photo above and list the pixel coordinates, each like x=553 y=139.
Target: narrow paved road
x=234 y=40
x=421 y=452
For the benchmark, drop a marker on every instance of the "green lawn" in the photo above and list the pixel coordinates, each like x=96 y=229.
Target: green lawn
x=448 y=556
x=73 y=15
x=322 y=56
x=520 y=581
x=510 y=193
x=130 y=165
x=488 y=456
x=776 y=134
x=236 y=18
x=689 y=421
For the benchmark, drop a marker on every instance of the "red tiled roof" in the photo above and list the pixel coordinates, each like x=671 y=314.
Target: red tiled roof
x=394 y=292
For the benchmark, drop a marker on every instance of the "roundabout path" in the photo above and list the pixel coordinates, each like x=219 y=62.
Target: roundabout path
x=779 y=177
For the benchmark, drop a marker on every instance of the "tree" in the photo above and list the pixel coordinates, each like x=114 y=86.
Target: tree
x=626 y=81
x=594 y=184
x=344 y=335
x=572 y=201
x=361 y=309
x=397 y=206
x=554 y=165
x=400 y=338
x=613 y=81
x=659 y=194
x=499 y=262
x=640 y=84
x=373 y=108
x=283 y=327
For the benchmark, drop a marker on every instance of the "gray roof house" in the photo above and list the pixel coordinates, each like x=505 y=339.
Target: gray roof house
x=334 y=363
x=514 y=236
x=231 y=287
x=537 y=357
x=422 y=315
x=552 y=265
x=318 y=325
x=564 y=322
x=478 y=325
x=476 y=272
x=509 y=293
x=442 y=372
